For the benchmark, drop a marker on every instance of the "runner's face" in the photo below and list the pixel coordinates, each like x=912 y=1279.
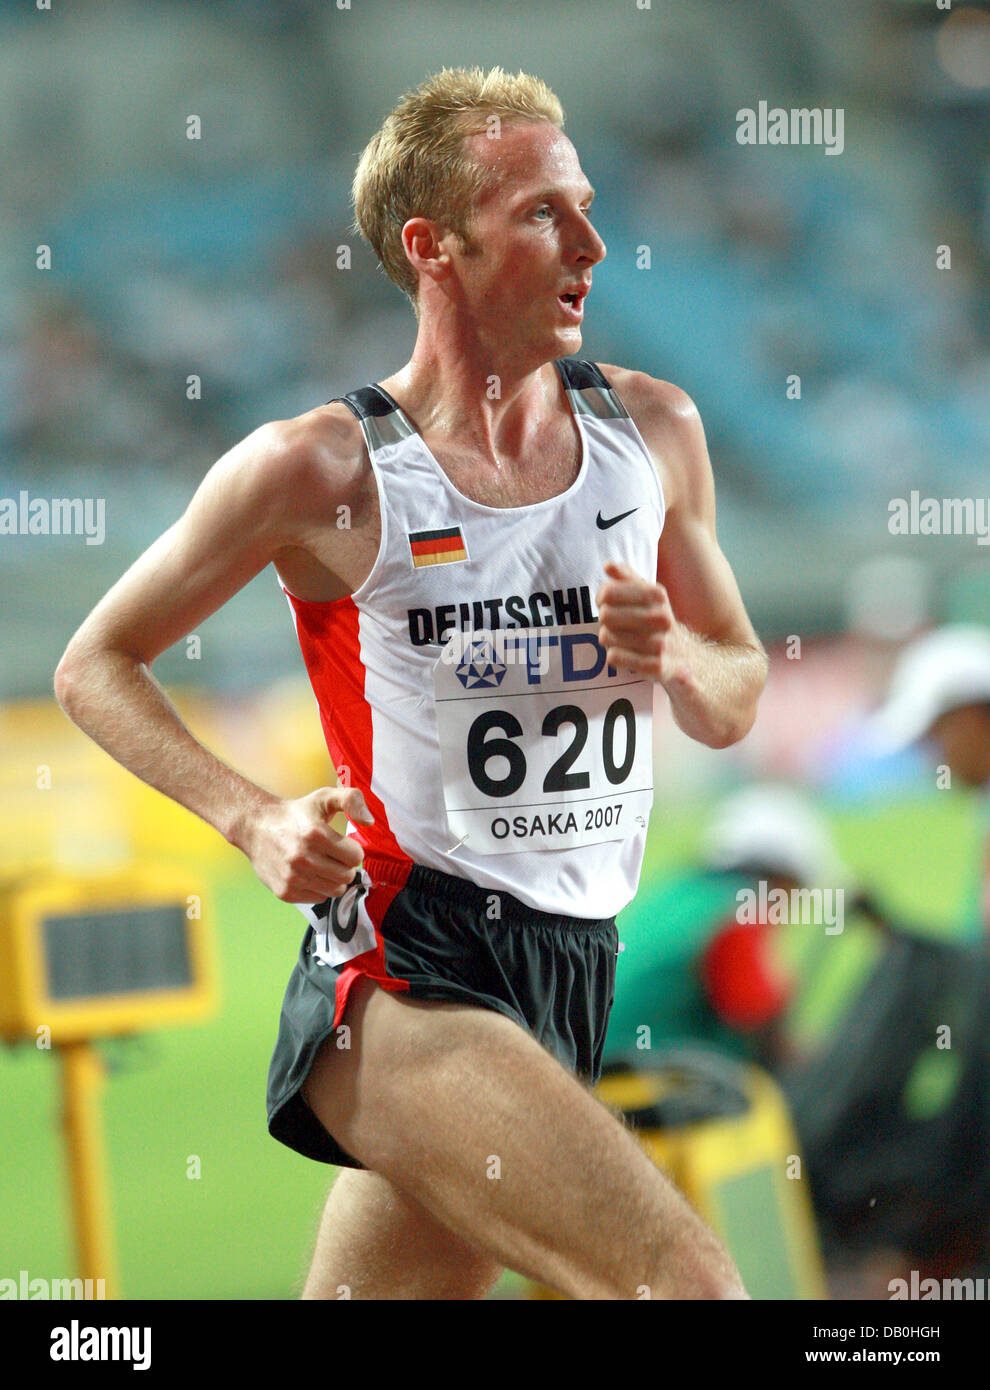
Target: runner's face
x=531 y=240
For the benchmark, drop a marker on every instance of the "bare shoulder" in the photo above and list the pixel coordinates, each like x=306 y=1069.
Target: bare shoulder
x=306 y=461
x=658 y=404
x=670 y=424
x=320 y=495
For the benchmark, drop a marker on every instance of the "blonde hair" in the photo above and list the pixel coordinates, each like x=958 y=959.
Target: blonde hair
x=416 y=164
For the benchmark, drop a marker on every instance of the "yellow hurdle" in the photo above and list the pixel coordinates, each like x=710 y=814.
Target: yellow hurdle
x=95 y=955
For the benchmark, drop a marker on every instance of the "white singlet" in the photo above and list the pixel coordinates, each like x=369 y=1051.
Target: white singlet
x=461 y=687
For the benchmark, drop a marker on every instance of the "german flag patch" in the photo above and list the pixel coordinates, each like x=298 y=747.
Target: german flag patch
x=442 y=547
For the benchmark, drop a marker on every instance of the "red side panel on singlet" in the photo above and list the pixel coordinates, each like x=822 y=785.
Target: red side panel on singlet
x=331 y=648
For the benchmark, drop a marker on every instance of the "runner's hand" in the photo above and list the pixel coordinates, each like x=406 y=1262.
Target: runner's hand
x=297 y=855
x=637 y=626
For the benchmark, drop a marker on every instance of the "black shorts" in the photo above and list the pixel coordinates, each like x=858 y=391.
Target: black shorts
x=439 y=937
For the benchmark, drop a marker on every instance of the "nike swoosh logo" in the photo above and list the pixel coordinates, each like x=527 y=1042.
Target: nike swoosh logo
x=603 y=525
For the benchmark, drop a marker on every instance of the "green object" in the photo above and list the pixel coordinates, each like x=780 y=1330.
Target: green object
x=932 y=1083
x=662 y=935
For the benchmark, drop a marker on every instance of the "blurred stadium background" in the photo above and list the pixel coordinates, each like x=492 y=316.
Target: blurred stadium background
x=221 y=258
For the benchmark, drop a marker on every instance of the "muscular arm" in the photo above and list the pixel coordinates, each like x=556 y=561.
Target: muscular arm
x=687 y=628
x=241 y=516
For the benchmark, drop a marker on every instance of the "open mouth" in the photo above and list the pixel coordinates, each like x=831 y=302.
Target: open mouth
x=572 y=302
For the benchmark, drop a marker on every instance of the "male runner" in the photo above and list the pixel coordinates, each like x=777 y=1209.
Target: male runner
x=504 y=518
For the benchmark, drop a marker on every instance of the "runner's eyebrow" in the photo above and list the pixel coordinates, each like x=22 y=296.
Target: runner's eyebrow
x=554 y=193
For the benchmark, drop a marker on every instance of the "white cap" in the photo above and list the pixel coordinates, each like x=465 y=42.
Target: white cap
x=774 y=829
x=941 y=671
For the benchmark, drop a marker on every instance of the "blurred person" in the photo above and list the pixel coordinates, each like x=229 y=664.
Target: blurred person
x=893 y=1121
x=448 y=1008
x=694 y=964
x=891 y=1111
x=939 y=695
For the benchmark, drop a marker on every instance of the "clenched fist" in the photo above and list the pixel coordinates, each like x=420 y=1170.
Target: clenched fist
x=297 y=855
x=637 y=627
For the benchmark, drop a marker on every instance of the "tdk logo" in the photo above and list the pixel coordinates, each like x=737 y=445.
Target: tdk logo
x=481 y=661
x=480 y=667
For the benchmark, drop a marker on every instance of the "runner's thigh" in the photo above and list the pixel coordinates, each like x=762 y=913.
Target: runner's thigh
x=463 y=1110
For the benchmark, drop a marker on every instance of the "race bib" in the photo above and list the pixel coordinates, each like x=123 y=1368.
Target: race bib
x=341 y=926
x=542 y=745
